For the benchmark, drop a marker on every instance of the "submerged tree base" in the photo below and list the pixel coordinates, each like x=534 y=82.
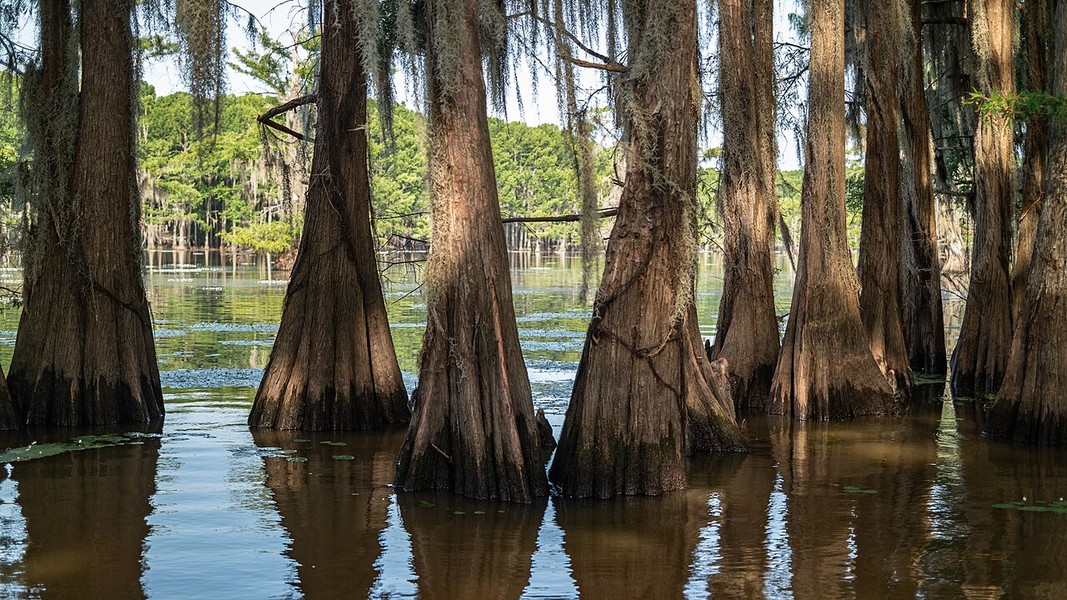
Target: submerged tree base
x=55 y=399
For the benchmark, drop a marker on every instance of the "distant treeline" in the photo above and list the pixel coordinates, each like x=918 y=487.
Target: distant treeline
x=239 y=187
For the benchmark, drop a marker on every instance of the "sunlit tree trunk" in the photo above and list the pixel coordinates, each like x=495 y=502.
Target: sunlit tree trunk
x=981 y=354
x=1032 y=404
x=85 y=352
x=923 y=314
x=473 y=430
x=879 y=255
x=333 y=366
x=747 y=335
x=825 y=369
x=1035 y=149
x=645 y=394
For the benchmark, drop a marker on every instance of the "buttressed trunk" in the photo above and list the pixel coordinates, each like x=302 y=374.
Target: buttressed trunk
x=1032 y=404
x=981 y=353
x=473 y=430
x=333 y=366
x=645 y=394
x=923 y=318
x=879 y=256
x=825 y=369
x=747 y=335
x=84 y=354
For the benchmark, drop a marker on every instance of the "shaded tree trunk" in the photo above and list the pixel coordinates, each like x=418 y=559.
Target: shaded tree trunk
x=747 y=335
x=923 y=313
x=825 y=369
x=981 y=354
x=333 y=365
x=1032 y=404
x=473 y=430
x=645 y=394
x=1035 y=149
x=879 y=255
x=85 y=352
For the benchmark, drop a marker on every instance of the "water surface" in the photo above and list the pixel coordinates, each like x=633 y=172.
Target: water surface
x=918 y=506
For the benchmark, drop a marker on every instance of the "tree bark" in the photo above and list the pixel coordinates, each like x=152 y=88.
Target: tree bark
x=825 y=369
x=85 y=354
x=879 y=255
x=1035 y=149
x=1032 y=404
x=473 y=430
x=645 y=394
x=923 y=312
x=333 y=365
x=981 y=354
x=747 y=335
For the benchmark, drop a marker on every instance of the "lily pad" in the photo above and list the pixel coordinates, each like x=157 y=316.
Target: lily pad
x=297 y=459
x=301 y=440
x=343 y=457
x=1058 y=506
x=426 y=504
x=334 y=443
x=458 y=512
x=851 y=489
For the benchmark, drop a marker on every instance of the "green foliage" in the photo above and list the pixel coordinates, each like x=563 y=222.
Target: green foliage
x=274 y=237
x=1023 y=105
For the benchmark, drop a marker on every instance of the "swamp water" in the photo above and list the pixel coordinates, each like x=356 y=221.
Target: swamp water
x=914 y=506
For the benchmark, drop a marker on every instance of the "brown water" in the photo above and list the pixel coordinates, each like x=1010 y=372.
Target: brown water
x=915 y=506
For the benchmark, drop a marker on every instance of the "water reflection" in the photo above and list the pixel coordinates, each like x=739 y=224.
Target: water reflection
x=469 y=549
x=636 y=547
x=84 y=516
x=334 y=509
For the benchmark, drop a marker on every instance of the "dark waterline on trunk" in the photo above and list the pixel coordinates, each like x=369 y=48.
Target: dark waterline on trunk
x=894 y=507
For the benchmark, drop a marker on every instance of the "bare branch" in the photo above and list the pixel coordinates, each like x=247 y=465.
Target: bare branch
x=267 y=118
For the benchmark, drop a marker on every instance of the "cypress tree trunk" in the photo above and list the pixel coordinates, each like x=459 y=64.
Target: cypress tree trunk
x=1032 y=404
x=981 y=354
x=645 y=394
x=333 y=365
x=879 y=256
x=825 y=369
x=923 y=313
x=473 y=430
x=1035 y=148
x=84 y=354
x=747 y=335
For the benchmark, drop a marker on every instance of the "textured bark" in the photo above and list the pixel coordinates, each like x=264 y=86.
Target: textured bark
x=9 y=417
x=981 y=354
x=84 y=352
x=923 y=312
x=1032 y=404
x=747 y=334
x=1035 y=62
x=825 y=369
x=645 y=394
x=879 y=256
x=333 y=365
x=473 y=430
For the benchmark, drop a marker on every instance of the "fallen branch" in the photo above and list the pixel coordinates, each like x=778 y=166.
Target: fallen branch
x=600 y=214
